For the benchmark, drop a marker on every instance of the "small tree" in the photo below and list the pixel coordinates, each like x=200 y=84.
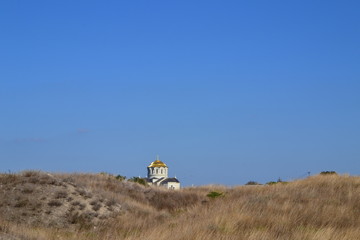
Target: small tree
x=138 y=180
x=252 y=183
x=120 y=177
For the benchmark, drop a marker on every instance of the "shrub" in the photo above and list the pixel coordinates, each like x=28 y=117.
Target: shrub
x=75 y=203
x=214 y=194
x=83 y=220
x=28 y=189
x=9 y=178
x=84 y=193
x=96 y=207
x=31 y=173
x=110 y=202
x=328 y=173
x=120 y=178
x=138 y=180
x=252 y=183
x=21 y=203
x=271 y=183
x=61 y=194
x=54 y=203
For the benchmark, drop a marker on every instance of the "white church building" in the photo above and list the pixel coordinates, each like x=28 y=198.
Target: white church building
x=158 y=175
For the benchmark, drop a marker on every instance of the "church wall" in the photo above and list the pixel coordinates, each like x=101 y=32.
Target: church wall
x=157 y=172
x=173 y=185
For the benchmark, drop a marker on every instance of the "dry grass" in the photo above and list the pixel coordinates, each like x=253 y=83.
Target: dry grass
x=317 y=208
x=40 y=199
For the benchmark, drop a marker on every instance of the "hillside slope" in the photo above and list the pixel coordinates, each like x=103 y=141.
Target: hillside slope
x=40 y=199
x=319 y=207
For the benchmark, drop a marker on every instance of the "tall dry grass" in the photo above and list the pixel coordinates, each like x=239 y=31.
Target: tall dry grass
x=317 y=208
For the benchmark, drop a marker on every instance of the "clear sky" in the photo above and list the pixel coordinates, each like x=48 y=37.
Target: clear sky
x=224 y=91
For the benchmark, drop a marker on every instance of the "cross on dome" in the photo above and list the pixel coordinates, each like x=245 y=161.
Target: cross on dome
x=157 y=163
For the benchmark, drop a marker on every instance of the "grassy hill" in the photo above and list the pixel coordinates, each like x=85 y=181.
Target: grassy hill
x=35 y=205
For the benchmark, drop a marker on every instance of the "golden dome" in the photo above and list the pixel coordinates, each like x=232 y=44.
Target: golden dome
x=157 y=163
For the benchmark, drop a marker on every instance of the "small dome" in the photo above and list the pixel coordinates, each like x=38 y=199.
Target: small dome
x=157 y=163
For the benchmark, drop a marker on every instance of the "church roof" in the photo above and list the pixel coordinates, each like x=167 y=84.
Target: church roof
x=167 y=180
x=157 y=163
x=159 y=180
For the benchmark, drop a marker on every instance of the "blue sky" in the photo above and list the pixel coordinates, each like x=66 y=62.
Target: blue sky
x=224 y=91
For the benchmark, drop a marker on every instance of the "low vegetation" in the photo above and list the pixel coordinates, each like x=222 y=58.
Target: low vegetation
x=214 y=194
x=323 y=207
x=39 y=199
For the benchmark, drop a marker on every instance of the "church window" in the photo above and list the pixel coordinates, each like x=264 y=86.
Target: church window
x=157 y=171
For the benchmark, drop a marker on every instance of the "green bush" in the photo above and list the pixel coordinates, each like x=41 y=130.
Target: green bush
x=214 y=194
x=271 y=183
x=138 y=180
x=120 y=177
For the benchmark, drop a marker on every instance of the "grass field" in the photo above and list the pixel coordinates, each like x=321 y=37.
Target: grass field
x=319 y=207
